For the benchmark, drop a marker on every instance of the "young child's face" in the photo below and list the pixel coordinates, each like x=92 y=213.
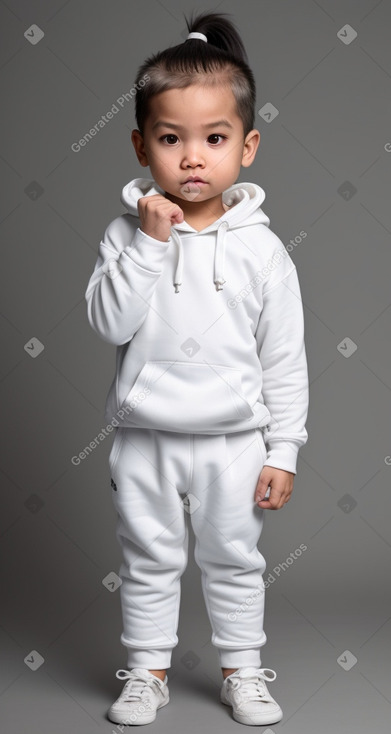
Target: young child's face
x=192 y=144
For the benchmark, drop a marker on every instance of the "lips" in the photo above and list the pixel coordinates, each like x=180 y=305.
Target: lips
x=194 y=179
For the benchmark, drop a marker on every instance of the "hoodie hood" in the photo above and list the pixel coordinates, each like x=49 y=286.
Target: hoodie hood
x=244 y=201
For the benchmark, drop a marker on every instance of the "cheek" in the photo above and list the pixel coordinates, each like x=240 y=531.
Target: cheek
x=229 y=158
x=162 y=159
x=229 y=166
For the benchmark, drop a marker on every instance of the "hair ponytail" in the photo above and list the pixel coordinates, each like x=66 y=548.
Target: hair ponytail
x=222 y=60
x=219 y=32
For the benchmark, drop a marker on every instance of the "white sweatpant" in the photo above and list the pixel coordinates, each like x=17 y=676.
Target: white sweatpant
x=159 y=477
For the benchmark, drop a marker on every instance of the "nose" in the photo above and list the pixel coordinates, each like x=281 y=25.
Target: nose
x=193 y=156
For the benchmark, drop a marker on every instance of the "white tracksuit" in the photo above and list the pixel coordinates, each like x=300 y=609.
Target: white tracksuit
x=211 y=383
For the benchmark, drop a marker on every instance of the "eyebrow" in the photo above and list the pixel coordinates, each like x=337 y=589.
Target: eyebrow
x=218 y=123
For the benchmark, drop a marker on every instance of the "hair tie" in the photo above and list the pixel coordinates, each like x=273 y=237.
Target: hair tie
x=194 y=34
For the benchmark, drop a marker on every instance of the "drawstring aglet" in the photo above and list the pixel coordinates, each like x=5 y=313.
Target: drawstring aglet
x=176 y=286
x=219 y=284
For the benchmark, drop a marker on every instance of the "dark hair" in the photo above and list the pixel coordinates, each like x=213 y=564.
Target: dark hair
x=222 y=60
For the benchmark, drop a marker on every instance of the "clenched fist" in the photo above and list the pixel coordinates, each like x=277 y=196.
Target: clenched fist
x=157 y=215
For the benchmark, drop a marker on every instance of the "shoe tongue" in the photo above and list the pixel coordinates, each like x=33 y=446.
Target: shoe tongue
x=250 y=670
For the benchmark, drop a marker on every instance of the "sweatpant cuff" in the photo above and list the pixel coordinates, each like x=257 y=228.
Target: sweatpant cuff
x=240 y=658
x=150 y=659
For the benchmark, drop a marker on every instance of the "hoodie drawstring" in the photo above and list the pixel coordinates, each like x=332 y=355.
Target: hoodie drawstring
x=179 y=267
x=218 y=276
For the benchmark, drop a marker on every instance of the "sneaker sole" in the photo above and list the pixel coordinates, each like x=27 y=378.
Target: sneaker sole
x=144 y=718
x=256 y=720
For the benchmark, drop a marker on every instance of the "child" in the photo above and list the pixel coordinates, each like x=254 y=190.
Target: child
x=210 y=397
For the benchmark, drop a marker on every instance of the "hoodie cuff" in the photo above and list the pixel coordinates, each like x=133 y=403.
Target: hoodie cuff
x=146 y=251
x=282 y=454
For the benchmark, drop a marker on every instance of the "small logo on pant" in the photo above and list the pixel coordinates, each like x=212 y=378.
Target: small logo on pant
x=113 y=484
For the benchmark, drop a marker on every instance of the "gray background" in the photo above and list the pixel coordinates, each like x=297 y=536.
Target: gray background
x=324 y=162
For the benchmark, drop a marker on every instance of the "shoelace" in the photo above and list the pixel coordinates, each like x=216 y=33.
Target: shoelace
x=138 y=682
x=254 y=683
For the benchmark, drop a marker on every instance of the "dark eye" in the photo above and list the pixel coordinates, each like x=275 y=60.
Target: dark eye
x=169 y=136
x=215 y=135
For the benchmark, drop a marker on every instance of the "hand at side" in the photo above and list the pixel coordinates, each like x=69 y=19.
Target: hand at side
x=281 y=486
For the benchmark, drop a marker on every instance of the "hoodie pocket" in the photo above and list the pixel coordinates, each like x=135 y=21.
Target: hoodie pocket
x=186 y=397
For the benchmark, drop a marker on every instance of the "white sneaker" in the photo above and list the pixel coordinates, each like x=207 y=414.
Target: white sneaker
x=142 y=694
x=246 y=691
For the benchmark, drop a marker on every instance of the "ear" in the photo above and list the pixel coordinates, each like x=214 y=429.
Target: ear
x=250 y=147
x=138 y=144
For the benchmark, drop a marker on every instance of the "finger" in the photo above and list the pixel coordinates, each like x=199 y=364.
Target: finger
x=265 y=491
x=267 y=505
x=273 y=502
x=177 y=216
x=260 y=494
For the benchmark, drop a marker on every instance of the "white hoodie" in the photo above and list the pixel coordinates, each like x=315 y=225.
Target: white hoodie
x=208 y=325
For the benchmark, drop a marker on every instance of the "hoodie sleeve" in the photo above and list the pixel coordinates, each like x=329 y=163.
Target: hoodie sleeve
x=281 y=350
x=120 y=288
